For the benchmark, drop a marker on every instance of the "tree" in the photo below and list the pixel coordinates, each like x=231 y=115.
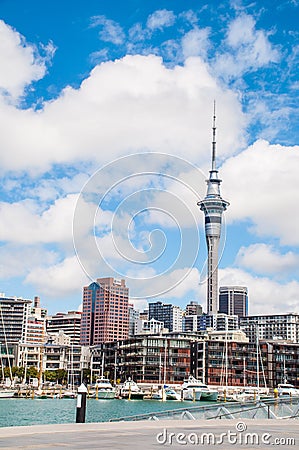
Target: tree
x=61 y=376
x=50 y=375
x=86 y=375
x=32 y=372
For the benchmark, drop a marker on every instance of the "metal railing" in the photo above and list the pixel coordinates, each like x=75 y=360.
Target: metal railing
x=286 y=408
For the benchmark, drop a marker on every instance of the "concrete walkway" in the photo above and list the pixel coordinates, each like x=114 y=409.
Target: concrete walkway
x=247 y=434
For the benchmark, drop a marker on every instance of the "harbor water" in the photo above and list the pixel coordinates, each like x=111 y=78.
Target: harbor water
x=22 y=412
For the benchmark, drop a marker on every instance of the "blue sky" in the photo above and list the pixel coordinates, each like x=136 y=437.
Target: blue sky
x=106 y=115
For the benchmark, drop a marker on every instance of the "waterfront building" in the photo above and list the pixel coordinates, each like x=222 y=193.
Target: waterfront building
x=71 y=358
x=233 y=300
x=171 y=315
x=282 y=361
x=213 y=207
x=230 y=360
x=29 y=355
x=105 y=316
x=272 y=326
x=69 y=323
x=146 y=358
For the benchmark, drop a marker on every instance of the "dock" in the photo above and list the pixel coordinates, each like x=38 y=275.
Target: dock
x=149 y=434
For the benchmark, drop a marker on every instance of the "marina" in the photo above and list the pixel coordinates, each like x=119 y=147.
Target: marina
x=22 y=411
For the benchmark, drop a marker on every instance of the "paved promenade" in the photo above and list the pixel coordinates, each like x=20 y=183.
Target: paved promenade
x=207 y=434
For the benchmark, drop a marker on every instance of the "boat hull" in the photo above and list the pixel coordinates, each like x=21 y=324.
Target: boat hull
x=209 y=396
x=106 y=395
x=132 y=395
x=7 y=394
x=192 y=395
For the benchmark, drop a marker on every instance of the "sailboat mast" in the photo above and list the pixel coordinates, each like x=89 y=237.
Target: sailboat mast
x=257 y=361
x=6 y=346
x=164 y=374
x=103 y=359
x=226 y=354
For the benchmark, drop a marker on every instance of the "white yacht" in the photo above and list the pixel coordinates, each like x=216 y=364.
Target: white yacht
x=287 y=389
x=171 y=394
x=194 y=389
x=248 y=395
x=7 y=393
x=104 y=389
x=131 y=390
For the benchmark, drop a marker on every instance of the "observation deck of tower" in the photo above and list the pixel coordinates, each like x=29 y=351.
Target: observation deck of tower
x=213 y=206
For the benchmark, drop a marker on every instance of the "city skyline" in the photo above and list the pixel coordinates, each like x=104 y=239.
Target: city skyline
x=82 y=88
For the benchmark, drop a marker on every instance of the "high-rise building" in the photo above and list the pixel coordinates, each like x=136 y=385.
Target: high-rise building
x=133 y=318
x=14 y=313
x=171 y=315
x=213 y=207
x=36 y=324
x=193 y=308
x=233 y=300
x=105 y=316
x=69 y=323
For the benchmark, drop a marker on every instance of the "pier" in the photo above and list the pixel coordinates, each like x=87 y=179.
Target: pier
x=152 y=435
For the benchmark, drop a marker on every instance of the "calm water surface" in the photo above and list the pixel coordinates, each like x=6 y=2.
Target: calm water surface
x=20 y=412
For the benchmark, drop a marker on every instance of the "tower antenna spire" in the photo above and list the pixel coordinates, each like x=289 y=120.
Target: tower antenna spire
x=213 y=206
x=214 y=139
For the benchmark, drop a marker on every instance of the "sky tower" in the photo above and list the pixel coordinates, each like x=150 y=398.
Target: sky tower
x=213 y=206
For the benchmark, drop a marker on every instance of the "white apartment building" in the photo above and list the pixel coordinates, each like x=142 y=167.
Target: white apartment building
x=272 y=326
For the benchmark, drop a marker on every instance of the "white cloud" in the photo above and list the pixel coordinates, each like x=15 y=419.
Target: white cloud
x=265 y=295
x=260 y=184
x=160 y=19
x=23 y=222
x=264 y=259
x=174 y=284
x=150 y=106
x=137 y=33
x=196 y=43
x=17 y=261
x=248 y=49
x=111 y=31
x=64 y=278
x=20 y=62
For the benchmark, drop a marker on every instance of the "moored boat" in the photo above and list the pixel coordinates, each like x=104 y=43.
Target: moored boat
x=69 y=393
x=7 y=393
x=287 y=389
x=195 y=390
x=104 y=389
x=131 y=390
x=171 y=394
